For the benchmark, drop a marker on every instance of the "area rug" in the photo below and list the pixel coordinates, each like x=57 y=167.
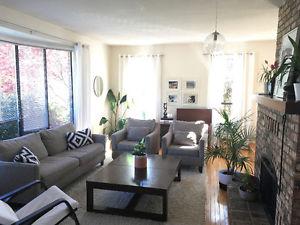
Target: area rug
x=186 y=202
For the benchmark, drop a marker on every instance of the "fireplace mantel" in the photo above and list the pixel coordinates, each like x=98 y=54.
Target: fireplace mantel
x=284 y=107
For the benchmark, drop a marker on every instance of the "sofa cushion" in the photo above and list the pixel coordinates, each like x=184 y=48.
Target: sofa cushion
x=185 y=138
x=53 y=168
x=195 y=126
x=84 y=154
x=141 y=123
x=55 y=139
x=126 y=146
x=179 y=150
x=9 y=148
x=26 y=156
x=137 y=133
x=79 y=138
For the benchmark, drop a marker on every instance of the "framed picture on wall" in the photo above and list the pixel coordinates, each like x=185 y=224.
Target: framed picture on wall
x=286 y=50
x=173 y=84
x=190 y=84
x=173 y=99
x=190 y=98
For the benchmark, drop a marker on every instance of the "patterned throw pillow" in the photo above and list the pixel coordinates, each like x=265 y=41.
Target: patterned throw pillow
x=26 y=156
x=79 y=139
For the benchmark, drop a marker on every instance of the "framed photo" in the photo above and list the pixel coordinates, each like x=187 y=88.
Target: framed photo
x=173 y=98
x=190 y=84
x=286 y=50
x=190 y=99
x=173 y=84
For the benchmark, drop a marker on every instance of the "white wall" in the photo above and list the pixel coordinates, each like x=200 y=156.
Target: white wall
x=185 y=61
x=99 y=52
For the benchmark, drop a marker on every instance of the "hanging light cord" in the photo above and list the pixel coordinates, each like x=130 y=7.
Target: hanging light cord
x=216 y=24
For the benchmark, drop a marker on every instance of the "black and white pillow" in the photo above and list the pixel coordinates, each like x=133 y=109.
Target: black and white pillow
x=79 y=138
x=26 y=156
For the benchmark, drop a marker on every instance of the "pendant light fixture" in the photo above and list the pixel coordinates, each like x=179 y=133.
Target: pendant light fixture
x=214 y=43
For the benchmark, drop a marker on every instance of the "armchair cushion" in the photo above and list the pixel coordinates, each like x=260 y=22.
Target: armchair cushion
x=180 y=150
x=137 y=133
x=185 y=138
x=7 y=215
x=126 y=146
x=9 y=148
x=141 y=123
x=47 y=197
x=58 y=136
x=196 y=127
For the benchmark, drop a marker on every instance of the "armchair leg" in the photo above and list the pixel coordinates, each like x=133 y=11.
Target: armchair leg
x=102 y=163
x=74 y=217
x=200 y=169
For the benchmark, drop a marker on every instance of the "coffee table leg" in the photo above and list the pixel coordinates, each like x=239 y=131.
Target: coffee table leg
x=178 y=178
x=165 y=206
x=89 y=198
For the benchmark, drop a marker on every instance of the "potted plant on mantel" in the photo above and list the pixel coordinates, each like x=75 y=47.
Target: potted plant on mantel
x=139 y=152
x=291 y=65
x=232 y=138
x=268 y=76
x=249 y=188
x=117 y=121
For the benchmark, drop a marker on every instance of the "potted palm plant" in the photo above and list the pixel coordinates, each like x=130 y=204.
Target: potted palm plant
x=249 y=188
x=139 y=152
x=232 y=139
x=117 y=121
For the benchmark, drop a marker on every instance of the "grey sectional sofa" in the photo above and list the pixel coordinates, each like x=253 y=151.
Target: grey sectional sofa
x=58 y=166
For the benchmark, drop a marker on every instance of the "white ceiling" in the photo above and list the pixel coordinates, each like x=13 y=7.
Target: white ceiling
x=157 y=21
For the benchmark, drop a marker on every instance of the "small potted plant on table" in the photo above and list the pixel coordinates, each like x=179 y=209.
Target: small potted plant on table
x=268 y=76
x=139 y=152
x=249 y=188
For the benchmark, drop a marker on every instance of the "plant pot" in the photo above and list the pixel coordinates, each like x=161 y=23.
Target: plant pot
x=246 y=195
x=266 y=88
x=297 y=91
x=140 y=162
x=224 y=179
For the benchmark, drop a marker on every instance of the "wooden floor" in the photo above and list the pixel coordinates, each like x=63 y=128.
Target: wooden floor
x=216 y=199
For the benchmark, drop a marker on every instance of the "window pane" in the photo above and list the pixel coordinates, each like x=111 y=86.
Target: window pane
x=59 y=86
x=8 y=92
x=32 y=81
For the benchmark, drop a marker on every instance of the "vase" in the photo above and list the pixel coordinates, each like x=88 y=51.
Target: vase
x=297 y=91
x=246 y=195
x=140 y=162
x=224 y=179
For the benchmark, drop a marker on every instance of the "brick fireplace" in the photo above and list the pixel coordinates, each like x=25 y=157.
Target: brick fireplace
x=278 y=158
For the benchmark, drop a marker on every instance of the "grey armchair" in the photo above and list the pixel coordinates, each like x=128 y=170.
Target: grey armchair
x=177 y=143
x=124 y=140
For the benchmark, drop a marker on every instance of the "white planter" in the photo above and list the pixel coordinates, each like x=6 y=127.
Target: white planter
x=224 y=179
x=297 y=91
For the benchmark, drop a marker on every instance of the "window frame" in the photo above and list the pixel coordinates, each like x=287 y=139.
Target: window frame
x=20 y=117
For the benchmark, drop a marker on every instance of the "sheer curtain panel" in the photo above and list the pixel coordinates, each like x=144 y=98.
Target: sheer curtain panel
x=140 y=78
x=82 y=87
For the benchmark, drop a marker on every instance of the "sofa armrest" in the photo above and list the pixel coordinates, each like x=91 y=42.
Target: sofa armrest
x=99 y=138
x=201 y=144
x=166 y=141
x=117 y=137
x=14 y=175
x=152 y=141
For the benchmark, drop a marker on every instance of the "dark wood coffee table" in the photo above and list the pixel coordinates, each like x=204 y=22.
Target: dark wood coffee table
x=120 y=175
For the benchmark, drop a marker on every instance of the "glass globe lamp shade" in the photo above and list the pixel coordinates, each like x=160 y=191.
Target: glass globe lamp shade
x=214 y=43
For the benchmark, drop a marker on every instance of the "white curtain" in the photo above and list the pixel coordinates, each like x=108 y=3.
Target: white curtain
x=82 y=87
x=238 y=71
x=140 y=78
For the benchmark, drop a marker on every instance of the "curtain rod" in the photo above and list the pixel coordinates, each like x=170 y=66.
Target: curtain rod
x=27 y=30
x=151 y=55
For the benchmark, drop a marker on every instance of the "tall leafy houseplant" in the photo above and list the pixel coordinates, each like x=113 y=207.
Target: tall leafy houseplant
x=117 y=120
x=232 y=138
x=291 y=63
